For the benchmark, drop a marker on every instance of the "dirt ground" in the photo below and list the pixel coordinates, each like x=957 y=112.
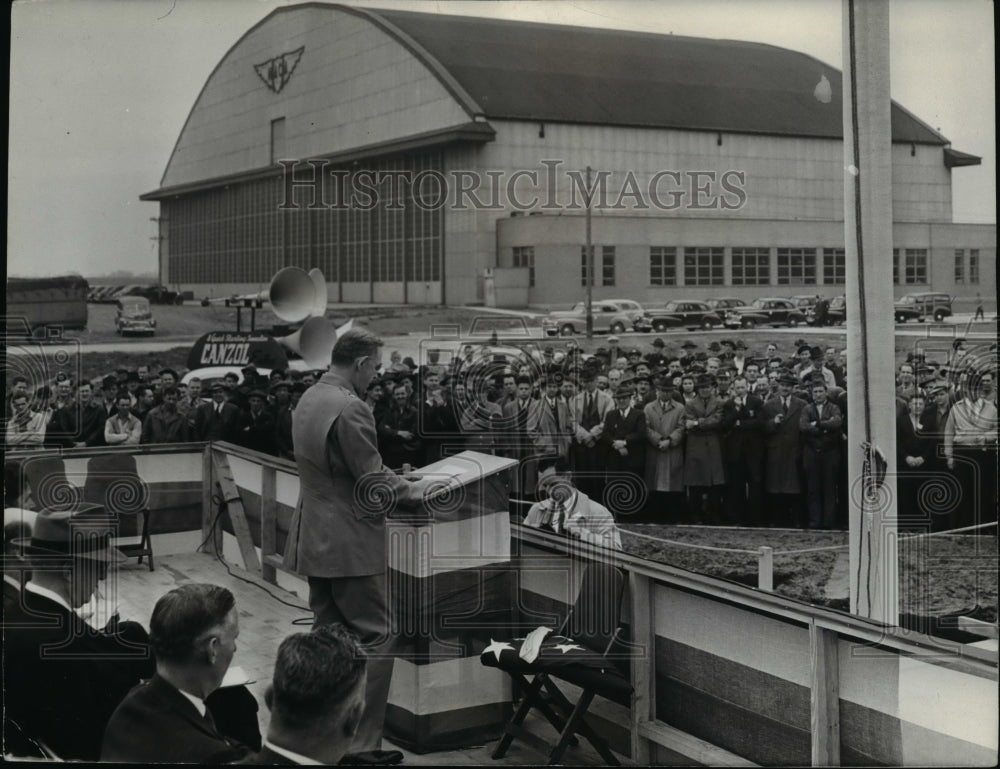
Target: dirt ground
x=937 y=574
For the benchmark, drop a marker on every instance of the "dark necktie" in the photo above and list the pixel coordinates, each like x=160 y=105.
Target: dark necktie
x=558 y=516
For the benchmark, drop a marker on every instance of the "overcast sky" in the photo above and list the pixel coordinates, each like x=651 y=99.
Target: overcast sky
x=99 y=91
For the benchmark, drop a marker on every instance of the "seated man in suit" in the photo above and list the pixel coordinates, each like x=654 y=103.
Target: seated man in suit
x=63 y=677
x=566 y=510
x=193 y=634
x=316 y=698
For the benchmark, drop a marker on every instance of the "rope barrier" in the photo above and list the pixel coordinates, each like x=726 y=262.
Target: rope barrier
x=801 y=551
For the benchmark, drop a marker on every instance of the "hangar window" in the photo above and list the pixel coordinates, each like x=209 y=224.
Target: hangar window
x=608 y=265
x=605 y=269
x=751 y=266
x=703 y=266
x=662 y=266
x=524 y=256
x=796 y=266
x=973 y=265
x=916 y=265
x=833 y=266
x=960 y=265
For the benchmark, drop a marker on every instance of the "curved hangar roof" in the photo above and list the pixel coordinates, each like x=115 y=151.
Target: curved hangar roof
x=587 y=75
x=423 y=79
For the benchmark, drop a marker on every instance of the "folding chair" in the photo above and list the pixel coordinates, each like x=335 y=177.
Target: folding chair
x=578 y=653
x=114 y=483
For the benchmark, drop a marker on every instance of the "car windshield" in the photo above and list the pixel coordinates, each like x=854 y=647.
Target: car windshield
x=133 y=308
x=908 y=299
x=759 y=304
x=671 y=306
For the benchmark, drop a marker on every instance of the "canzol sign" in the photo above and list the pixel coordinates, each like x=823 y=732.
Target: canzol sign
x=278 y=71
x=237 y=349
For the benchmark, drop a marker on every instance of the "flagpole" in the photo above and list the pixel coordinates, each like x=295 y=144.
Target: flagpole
x=871 y=441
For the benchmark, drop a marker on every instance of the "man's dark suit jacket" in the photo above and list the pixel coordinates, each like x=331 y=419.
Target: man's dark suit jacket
x=210 y=426
x=157 y=724
x=745 y=440
x=632 y=430
x=66 y=697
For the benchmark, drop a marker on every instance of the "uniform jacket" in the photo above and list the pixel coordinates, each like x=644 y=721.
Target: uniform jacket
x=665 y=468
x=338 y=528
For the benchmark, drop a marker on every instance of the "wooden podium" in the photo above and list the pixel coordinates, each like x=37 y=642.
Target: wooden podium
x=449 y=591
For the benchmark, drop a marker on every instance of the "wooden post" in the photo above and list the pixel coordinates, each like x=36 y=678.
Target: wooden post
x=870 y=321
x=237 y=516
x=824 y=696
x=268 y=521
x=210 y=537
x=643 y=667
x=765 y=568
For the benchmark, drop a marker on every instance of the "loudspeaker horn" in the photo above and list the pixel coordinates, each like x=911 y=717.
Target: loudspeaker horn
x=313 y=342
x=296 y=294
x=319 y=293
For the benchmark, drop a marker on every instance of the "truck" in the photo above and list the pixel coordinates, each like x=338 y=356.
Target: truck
x=39 y=303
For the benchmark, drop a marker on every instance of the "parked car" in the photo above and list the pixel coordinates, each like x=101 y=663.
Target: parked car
x=134 y=316
x=835 y=313
x=630 y=307
x=683 y=312
x=805 y=302
x=919 y=307
x=765 y=311
x=609 y=317
x=724 y=304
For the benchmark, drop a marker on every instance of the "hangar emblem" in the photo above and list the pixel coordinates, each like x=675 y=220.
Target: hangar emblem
x=278 y=71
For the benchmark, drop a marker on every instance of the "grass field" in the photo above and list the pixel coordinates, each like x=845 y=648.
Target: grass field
x=937 y=574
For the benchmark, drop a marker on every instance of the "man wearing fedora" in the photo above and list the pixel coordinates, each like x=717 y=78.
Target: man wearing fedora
x=783 y=453
x=704 y=474
x=624 y=440
x=64 y=677
x=665 y=454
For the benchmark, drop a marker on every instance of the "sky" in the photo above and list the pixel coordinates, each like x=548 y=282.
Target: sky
x=100 y=89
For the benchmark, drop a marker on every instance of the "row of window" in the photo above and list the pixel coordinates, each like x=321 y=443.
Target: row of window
x=705 y=266
x=242 y=234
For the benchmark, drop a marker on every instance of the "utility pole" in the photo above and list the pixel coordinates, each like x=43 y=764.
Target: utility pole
x=159 y=237
x=590 y=266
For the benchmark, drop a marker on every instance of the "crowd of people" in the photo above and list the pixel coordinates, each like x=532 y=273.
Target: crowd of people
x=710 y=436
x=672 y=434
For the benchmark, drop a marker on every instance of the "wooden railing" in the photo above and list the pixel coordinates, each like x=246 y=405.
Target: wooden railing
x=826 y=628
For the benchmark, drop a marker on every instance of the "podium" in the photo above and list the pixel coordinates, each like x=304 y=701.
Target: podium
x=450 y=590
